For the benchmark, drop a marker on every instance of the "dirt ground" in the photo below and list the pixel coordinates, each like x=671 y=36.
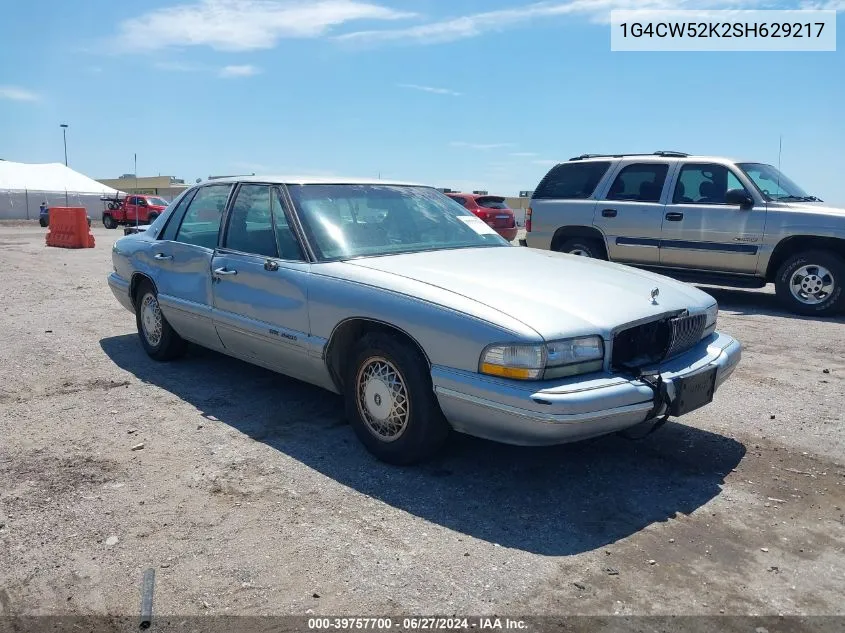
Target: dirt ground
x=252 y=496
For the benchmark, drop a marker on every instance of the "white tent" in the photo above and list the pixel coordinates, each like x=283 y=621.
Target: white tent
x=23 y=187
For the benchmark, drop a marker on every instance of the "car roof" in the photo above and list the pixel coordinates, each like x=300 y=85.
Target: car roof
x=312 y=180
x=695 y=158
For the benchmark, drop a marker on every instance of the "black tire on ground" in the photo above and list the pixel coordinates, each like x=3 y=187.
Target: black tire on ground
x=423 y=429
x=168 y=345
x=584 y=246
x=42 y=222
x=152 y=218
x=109 y=222
x=833 y=301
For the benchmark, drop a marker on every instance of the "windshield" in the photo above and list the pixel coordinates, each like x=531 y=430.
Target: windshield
x=158 y=202
x=773 y=184
x=346 y=221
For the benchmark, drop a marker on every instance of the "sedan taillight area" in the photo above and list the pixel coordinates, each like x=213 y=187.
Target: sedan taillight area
x=528 y=220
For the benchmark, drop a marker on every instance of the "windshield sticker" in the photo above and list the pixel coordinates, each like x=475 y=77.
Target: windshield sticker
x=477 y=224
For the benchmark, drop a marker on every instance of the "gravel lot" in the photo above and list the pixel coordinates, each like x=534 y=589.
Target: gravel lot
x=252 y=496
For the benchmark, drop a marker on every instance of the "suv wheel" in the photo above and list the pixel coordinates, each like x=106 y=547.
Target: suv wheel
x=582 y=246
x=390 y=401
x=152 y=218
x=811 y=282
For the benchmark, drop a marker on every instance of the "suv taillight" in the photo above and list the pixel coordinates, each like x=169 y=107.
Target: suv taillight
x=528 y=220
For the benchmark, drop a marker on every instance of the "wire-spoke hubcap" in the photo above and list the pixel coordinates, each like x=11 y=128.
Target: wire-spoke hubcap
x=151 y=319
x=812 y=284
x=383 y=399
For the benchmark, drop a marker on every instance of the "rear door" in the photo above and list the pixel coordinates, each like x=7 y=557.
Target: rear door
x=701 y=231
x=260 y=284
x=630 y=211
x=182 y=264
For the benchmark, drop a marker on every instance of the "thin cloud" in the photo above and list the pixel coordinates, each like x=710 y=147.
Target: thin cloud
x=477 y=24
x=545 y=162
x=431 y=89
x=243 y=25
x=480 y=145
x=523 y=154
x=244 y=70
x=830 y=5
x=14 y=93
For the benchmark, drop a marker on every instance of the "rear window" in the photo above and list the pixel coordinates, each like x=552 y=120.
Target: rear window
x=491 y=203
x=575 y=180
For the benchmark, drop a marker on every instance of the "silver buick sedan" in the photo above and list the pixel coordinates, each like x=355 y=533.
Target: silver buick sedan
x=419 y=314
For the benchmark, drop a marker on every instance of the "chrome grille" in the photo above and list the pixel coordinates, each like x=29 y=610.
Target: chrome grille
x=654 y=341
x=685 y=333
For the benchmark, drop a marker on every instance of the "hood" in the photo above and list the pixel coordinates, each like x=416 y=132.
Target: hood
x=555 y=294
x=819 y=208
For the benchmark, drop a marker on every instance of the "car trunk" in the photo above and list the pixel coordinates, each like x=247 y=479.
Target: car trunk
x=498 y=214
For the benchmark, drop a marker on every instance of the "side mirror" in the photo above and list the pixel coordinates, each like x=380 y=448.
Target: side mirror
x=739 y=197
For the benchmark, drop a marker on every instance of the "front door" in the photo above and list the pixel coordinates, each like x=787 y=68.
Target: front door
x=630 y=212
x=701 y=231
x=260 y=285
x=182 y=265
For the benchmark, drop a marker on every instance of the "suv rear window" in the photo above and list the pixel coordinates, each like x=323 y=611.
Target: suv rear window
x=491 y=203
x=572 y=180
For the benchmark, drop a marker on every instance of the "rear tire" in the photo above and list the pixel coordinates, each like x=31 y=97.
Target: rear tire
x=582 y=246
x=42 y=222
x=159 y=339
x=109 y=222
x=152 y=218
x=390 y=400
x=811 y=283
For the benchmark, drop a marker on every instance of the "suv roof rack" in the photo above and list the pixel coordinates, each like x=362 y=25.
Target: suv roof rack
x=664 y=153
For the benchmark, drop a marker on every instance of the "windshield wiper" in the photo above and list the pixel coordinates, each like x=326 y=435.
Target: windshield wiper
x=798 y=199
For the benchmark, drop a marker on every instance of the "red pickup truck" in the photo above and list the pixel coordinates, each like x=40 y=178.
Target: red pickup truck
x=145 y=208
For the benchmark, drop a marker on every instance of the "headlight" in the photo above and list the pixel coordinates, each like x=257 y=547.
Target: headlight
x=552 y=360
x=712 y=316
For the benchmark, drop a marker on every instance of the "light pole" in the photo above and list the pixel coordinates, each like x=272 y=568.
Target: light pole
x=64 y=127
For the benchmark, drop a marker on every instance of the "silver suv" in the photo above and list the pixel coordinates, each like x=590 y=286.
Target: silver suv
x=697 y=218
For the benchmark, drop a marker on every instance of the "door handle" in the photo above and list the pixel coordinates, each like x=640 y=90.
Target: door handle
x=221 y=272
x=271 y=265
x=674 y=216
x=608 y=213
x=162 y=256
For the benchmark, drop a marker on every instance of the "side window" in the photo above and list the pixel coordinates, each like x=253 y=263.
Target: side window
x=250 y=222
x=704 y=183
x=573 y=180
x=460 y=200
x=175 y=217
x=288 y=244
x=640 y=182
x=201 y=223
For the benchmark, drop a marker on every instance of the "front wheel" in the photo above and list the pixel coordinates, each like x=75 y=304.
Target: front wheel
x=810 y=283
x=583 y=247
x=390 y=401
x=159 y=339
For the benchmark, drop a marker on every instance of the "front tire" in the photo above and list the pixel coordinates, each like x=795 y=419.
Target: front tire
x=583 y=247
x=390 y=401
x=811 y=283
x=159 y=339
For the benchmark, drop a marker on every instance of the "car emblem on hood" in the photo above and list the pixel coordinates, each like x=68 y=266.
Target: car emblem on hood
x=655 y=292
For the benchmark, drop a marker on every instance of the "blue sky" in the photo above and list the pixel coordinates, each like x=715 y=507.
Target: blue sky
x=465 y=94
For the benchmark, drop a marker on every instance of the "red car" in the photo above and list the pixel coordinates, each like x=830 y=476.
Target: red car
x=491 y=209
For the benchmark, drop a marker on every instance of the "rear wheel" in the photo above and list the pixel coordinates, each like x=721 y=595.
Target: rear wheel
x=152 y=218
x=109 y=222
x=160 y=341
x=810 y=283
x=583 y=247
x=42 y=222
x=390 y=400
